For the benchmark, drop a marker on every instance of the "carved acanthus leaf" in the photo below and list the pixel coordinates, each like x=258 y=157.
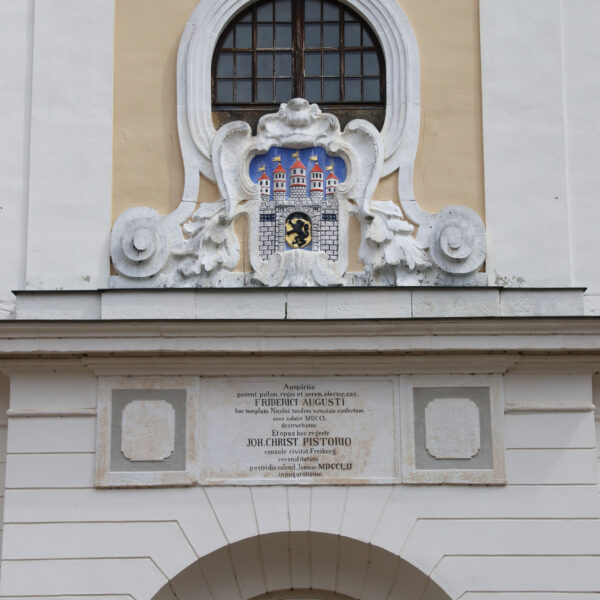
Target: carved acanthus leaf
x=212 y=244
x=297 y=268
x=387 y=241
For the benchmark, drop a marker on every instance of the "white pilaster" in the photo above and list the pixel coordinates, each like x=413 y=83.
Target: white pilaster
x=524 y=143
x=581 y=22
x=71 y=145
x=16 y=39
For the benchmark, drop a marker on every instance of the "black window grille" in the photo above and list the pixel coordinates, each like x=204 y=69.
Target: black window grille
x=320 y=50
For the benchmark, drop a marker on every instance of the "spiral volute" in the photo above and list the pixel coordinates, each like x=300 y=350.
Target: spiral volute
x=139 y=246
x=458 y=241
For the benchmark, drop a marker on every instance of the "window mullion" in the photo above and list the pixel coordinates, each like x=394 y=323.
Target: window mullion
x=254 y=59
x=298 y=47
x=322 y=57
x=342 y=56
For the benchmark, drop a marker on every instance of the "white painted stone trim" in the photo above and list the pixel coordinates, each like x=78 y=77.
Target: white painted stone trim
x=107 y=478
x=563 y=338
x=410 y=474
x=292 y=364
x=388 y=20
x=27 y=413
x=16 y=47
x=535 y=407
x=376 y=303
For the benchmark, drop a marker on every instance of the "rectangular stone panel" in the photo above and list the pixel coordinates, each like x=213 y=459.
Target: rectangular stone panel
x=453 y=430
x=164 y=431
x=146 y=431
x=300 y=431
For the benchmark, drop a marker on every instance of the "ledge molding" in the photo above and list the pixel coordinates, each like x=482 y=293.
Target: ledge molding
x=28 y=413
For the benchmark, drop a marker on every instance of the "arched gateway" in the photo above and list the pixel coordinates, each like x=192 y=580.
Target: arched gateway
x=301 y=565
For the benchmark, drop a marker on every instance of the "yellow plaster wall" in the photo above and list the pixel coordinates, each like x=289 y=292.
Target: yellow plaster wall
x=449 y=167
x=148 y=170
x=147 y=164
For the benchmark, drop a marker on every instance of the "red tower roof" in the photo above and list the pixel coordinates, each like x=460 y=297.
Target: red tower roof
x=298 y=165
x=332 y=175
x=317 y=169
x=263 y=177
x=279 y=169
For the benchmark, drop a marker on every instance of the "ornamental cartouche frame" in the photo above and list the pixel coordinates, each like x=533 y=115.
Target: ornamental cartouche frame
x=197 y=246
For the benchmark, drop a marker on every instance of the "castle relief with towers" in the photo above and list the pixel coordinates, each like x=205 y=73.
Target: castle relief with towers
x=299 y=208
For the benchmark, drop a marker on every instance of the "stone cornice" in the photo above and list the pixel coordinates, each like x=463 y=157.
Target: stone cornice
x=573 y=341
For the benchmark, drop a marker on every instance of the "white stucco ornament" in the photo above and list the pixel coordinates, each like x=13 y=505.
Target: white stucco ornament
x=298 y=181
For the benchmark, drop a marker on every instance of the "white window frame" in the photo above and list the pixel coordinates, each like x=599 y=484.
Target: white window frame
x=402 y=120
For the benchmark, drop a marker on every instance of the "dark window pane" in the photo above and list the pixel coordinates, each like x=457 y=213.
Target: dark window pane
x=264 y=12
x=352 y=92
x=224 y=90
x=351 y=34
x=312 y=36
x=228 y=41
x=264 y=36
x=243 y=90
x=331 y=90
x=258 y=73
x=264 y=91
x=283 y=36
x=331 y=64
x=243 y=36
x=312 y=10
x=243 y=65
x=367 y=39
x=312 y=64
x=331 y=12
x=372 y=91
x=331 y=35
x=264 y=64
x=352 y=66
x=313 y=90
x=283 y=90
x=225 y=65
x=283 y=11
x=370 y=63
x=283 y=65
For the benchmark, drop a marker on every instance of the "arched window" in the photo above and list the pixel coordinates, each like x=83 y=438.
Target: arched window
x=276 y=50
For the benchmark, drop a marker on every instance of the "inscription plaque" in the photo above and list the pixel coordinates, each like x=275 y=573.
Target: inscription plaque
x=298 y=431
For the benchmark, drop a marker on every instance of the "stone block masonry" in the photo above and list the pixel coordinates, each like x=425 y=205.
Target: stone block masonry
x=324 y=226
x=290 y=195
